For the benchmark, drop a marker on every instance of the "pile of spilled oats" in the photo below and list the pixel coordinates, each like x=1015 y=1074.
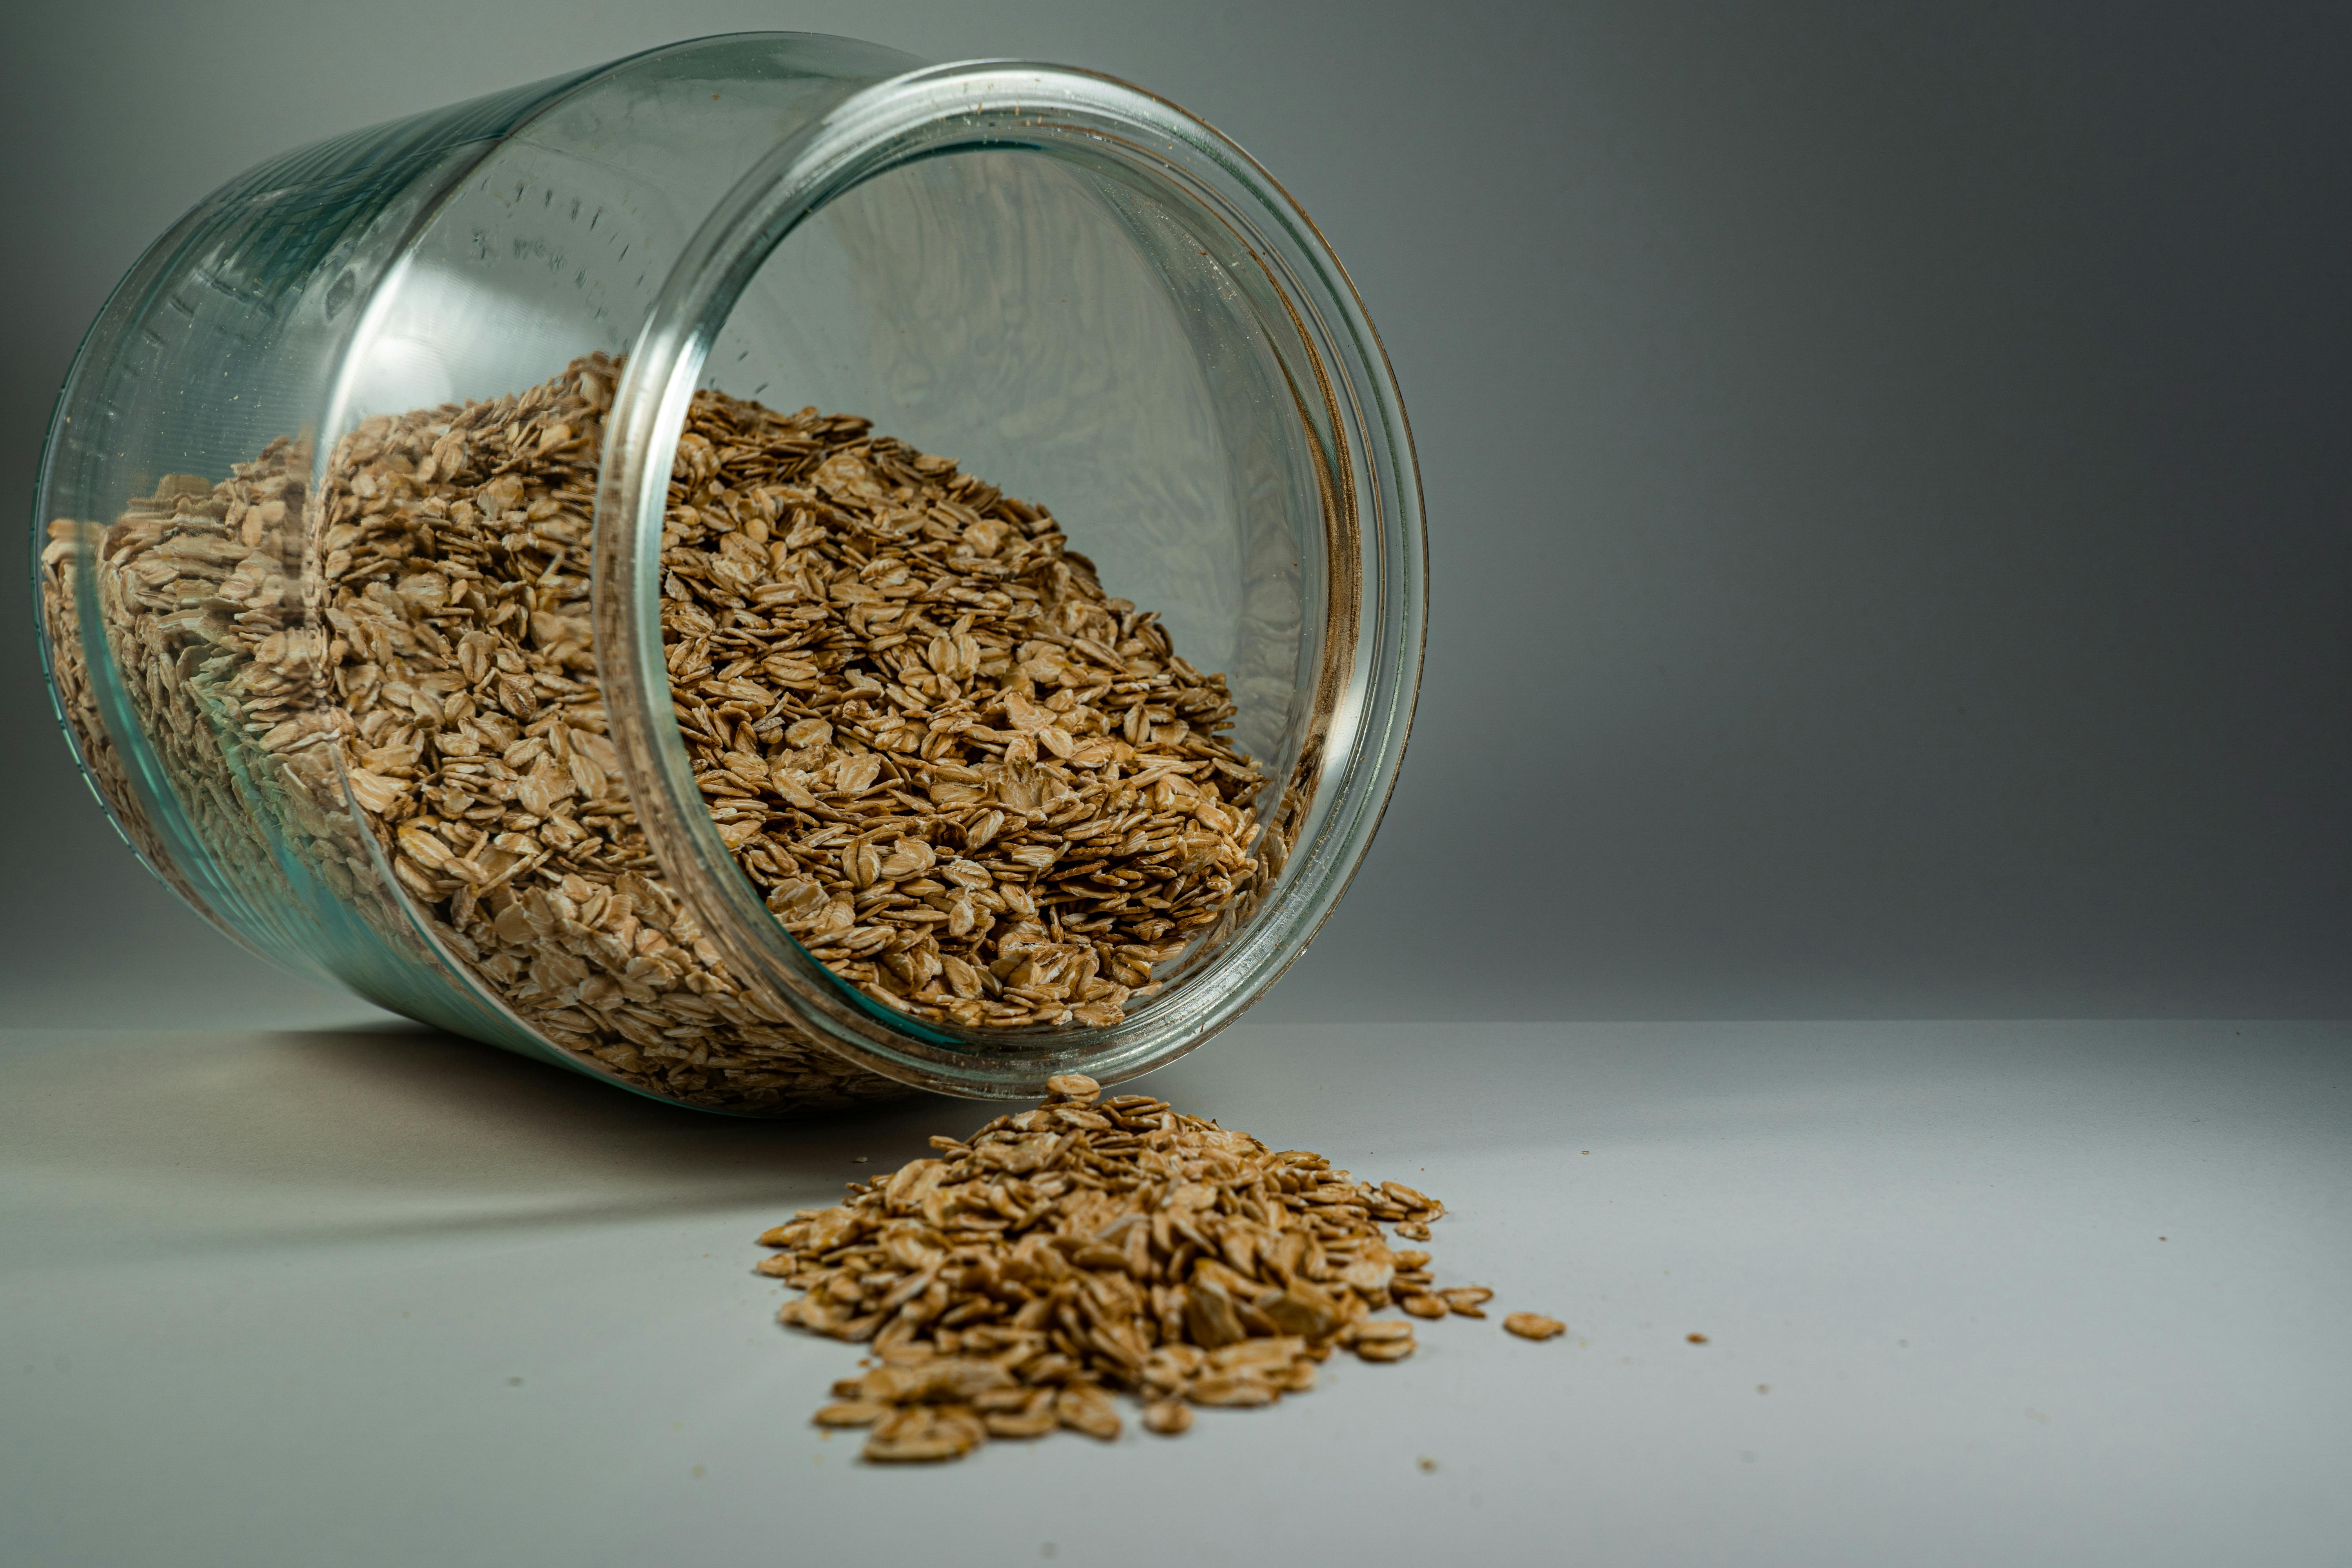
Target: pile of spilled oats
x=1008 y=1286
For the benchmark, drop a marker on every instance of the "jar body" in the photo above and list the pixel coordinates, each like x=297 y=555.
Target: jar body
x=237 y=632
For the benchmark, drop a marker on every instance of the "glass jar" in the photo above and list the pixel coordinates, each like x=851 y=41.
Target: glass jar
x=254 y=576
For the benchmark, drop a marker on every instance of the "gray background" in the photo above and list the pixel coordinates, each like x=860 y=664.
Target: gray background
x=1886 y=469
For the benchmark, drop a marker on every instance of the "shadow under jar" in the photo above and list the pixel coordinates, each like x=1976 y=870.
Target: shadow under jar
x=403 y=637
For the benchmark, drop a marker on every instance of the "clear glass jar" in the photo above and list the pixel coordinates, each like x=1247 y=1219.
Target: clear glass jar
x=1088 y=297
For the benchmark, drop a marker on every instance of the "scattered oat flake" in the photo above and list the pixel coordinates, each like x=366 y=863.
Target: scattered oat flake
x=1696 y=1338
x=1169 y=1418
x=1534 y=1325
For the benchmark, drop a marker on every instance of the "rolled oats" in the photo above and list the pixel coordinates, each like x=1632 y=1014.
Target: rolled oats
x=1090 y=1244
x=972 y=782
x=1465 y=1301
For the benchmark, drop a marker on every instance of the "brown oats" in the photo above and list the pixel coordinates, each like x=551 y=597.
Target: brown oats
x=1015 y=1278
x=1169 y=1418
x=1083 y=1408
x=972 y=782
x=1533 y=1325
x=856 y=1413
x=1465 y=1301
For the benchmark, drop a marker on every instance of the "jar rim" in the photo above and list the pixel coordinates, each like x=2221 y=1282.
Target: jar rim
x=1348 y=400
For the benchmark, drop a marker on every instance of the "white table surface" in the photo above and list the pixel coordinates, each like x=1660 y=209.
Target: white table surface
x=2040 y=1293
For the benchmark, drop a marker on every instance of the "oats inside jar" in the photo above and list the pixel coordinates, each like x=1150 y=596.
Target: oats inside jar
x=972 y=782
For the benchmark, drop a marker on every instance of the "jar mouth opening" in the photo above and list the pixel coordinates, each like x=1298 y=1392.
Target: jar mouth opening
x=1266 y=264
